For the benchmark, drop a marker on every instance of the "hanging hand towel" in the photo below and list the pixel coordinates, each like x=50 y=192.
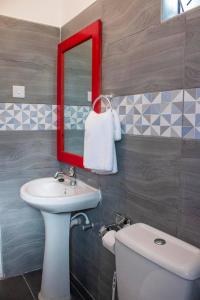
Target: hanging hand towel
x=117 y=126
x=99 y=146
x=117 y=137
x=114 y=169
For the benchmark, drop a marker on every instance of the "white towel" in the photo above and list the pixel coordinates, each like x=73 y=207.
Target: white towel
x=99 y=145
x=117 y=126
x=117 y=137
x=114 y=169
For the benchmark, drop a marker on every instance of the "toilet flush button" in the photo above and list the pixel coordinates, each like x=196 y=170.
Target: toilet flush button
x=160 y=242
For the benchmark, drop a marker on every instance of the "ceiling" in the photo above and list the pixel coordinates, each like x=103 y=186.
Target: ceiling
x=50 y=12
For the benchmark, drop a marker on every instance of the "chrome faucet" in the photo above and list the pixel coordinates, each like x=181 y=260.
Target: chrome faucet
x=60 y=176
x=63 y=177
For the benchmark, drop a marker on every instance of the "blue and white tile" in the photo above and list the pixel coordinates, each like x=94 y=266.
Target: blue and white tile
x=138 y=104
x=125 y=111
x=156 y=97
x=171 y=113
x=158 y=114
x=168 y=114
x=75 y=116
x=24 y=116
x=191 y=114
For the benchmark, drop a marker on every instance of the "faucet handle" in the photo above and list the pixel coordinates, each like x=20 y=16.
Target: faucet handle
x=56 y=174
x=59 y=175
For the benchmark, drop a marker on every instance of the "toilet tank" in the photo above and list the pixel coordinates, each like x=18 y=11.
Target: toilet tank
x=152 y=265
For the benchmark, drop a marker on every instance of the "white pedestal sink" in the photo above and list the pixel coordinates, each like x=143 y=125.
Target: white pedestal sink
x=56 y=201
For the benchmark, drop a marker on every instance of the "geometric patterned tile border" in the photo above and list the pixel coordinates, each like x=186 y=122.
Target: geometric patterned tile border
x=20 y=116
x=167 y=114
x=155 y=114
x=75 y=116
x=191 y=116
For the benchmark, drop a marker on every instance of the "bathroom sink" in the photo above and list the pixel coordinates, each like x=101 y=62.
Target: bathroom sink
x=47 y=194
x=56 y=200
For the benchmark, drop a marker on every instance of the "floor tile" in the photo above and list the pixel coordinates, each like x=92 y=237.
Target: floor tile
x=34 y=281
x=14 y=289
x=75 y=295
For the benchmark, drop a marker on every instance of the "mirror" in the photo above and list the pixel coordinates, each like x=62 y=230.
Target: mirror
x=78 y=79
x=77 y=95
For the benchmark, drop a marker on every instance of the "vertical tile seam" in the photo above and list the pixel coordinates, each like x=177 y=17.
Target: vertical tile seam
x=29 y=288
x=184 y=51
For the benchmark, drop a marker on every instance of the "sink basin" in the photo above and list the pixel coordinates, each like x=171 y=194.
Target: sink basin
x=57 y=200
x=49 y=195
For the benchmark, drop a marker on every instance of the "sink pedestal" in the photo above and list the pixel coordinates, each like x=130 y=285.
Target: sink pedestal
x=55 y=276
x=56 y=204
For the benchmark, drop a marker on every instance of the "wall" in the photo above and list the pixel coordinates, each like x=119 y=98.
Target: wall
x=141 y=54
x=28 y=57
x=158 y=176
x=158 y=179
x=27 y=138
x=58 y=13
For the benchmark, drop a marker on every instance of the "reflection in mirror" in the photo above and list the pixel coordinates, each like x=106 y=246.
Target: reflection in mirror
x=77 y=95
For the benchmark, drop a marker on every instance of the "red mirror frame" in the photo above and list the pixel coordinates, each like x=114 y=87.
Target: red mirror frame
x=94 y=32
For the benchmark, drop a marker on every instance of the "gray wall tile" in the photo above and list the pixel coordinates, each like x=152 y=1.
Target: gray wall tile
x=151 y=170
x=107 y=263
x=149 y=60
x=141 y=53
x=189 y=214
x=22 y=240
x=192 y=49
x=82 y=264
x=23 y=156
x=125 y=18
x=28 y=57
x=23 y=258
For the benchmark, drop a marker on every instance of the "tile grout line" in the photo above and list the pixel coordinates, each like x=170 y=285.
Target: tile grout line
x=74 y=287
x=82 y=287
x=32 y=294
x=29 y=287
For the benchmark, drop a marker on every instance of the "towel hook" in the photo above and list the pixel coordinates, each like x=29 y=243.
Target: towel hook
x=105 y=97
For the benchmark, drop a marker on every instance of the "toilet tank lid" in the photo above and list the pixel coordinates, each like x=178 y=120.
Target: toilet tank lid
x=174 y=255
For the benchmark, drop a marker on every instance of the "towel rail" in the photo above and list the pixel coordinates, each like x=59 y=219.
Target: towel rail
x=105 y=97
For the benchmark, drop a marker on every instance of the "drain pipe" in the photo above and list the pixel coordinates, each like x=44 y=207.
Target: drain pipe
x=77 y=220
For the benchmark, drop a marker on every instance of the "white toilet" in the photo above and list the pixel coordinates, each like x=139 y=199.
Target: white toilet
x=152 y=265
